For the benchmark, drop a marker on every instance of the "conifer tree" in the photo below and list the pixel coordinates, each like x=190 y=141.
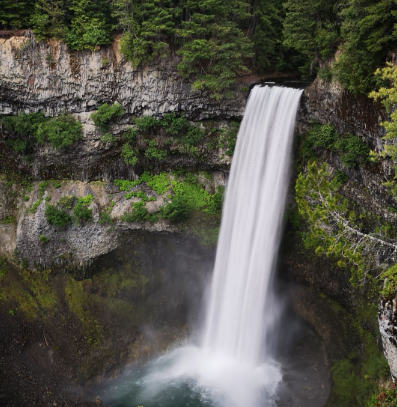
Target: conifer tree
x=48 y=19
x=91 y=24
x=15 y=14
x=309 y=28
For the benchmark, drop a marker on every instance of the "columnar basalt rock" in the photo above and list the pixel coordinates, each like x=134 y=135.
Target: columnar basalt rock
x=47 y=77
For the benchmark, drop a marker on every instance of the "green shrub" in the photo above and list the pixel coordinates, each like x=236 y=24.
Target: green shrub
x=178 y=210
x=86 y=200
x=352 y=150
x=139 y=214
x=43 y=185
x=57 y=217
x=66 y=201
x=355 y=151
x=44 y=239
x=24 y=126
x=60 y=132
x=106 y=114
x=81 y=212
x=129 y=155
x=105 y=219
x=159 y=183
x=125 y=185
x=152 y=152
x=36 y=205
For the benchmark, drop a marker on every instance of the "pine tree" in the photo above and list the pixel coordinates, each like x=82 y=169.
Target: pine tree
x=213 y=46
x=368 y=32
x=266 y=26
x=309 y=28
x=148 y=25
x=48 y=19
x=14 y=14
x=91 y=24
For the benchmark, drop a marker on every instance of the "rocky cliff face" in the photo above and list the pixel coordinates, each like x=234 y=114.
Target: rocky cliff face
x=47 y=77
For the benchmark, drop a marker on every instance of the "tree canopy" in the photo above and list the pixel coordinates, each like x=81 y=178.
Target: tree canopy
x=218 y=41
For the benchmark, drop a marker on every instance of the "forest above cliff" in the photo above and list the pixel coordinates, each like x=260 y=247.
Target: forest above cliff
x=218 y=41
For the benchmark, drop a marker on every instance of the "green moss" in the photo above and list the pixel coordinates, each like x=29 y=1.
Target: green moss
x=79 y=303
x=31 y=294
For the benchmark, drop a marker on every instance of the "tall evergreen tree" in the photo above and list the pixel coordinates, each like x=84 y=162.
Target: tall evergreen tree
x=266 y=27
x=15 y=14
x=148 y=25
x=309 y=28
x=368 y=31
x=48 y=19
x=91 y=24
x=212 y=45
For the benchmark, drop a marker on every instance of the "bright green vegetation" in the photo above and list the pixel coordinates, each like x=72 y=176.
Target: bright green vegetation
x=44 y=239
x=59 y=215
x=60 y=132
x=219 y=41
x=339 y=229
x=28 y=129
x=186 y=200
x=388 y=97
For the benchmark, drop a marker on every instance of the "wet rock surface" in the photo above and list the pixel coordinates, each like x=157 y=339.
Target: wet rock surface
x=387 y=316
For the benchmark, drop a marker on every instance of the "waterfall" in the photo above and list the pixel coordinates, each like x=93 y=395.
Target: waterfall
x=239 y=311
x=233 y=366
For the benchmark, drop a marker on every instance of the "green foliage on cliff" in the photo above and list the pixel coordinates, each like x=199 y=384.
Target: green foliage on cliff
x=153 y=138
x=184 y=198
x=26 y=129
x=81 y=212
x=60 y=132
x=352 y=151
x=57 y=217
x=359 y=240
x=388 y=97
x=107 y=114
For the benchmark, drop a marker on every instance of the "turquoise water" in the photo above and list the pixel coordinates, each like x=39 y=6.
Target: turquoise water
x=184 y=378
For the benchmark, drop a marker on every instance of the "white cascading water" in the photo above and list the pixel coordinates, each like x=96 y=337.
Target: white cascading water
x=234 y=364
x=250 y=233
x=233 y=367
